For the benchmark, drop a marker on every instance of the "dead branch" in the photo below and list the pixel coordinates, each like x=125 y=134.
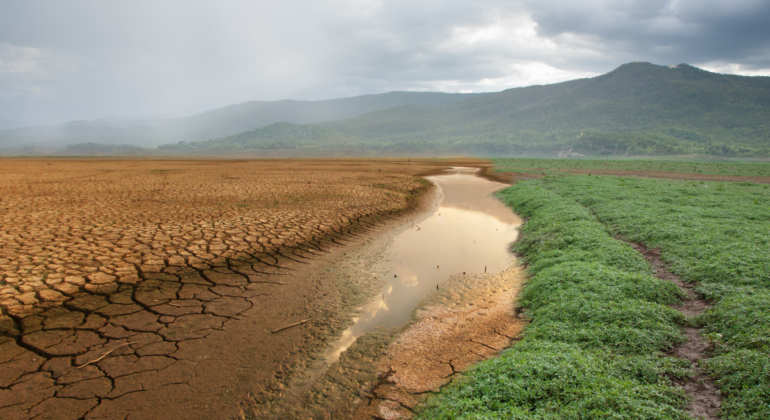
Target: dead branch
x=105 y=354
x=290 y=325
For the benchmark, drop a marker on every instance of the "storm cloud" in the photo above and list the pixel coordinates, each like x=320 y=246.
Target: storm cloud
x=89 y=59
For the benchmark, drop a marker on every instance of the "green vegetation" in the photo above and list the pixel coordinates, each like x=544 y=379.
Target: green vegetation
x=592 y=297
x=716 y=234
x=599 y=326
x=558 y=166
x=637 y=109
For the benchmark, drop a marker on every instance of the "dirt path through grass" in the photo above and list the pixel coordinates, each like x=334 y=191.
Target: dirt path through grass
x=705 y=396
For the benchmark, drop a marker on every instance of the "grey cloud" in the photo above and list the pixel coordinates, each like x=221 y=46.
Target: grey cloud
x=692 y=31
x=148 y=57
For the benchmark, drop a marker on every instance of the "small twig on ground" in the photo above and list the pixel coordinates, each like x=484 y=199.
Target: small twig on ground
x=290 y=325
x=105 y=354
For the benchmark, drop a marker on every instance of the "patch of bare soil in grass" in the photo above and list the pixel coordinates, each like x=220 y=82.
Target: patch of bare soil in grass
x=705 y=396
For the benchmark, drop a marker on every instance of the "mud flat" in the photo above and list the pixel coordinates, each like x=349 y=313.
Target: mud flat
x=135 y=289
x=442 y=301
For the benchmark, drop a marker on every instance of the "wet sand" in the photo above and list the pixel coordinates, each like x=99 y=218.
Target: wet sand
x=436 y=313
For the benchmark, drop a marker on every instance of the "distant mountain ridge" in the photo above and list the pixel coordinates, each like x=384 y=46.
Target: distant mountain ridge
x=638 y=108
x=215 y=123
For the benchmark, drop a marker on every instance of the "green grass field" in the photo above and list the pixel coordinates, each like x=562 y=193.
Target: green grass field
x=700 y=167
x=600 y=320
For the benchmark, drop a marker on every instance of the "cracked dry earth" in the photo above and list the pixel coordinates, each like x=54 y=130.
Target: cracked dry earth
x=704 y=395
x=134 y=289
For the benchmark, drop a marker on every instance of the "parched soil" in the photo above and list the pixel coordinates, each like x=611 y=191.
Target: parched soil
x=705 y=397
x=149 y=289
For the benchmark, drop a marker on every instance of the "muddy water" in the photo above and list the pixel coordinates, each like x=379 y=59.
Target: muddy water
x=467 y=231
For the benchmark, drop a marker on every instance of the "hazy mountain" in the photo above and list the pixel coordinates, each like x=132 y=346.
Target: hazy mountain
x=215 y=123
x=639 y=108
x=6 y=124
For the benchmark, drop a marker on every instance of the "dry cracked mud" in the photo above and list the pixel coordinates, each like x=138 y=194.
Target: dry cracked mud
x=135 y=289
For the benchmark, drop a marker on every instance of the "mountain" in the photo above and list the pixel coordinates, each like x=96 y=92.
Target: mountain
x=215 y=123
x=639 y=108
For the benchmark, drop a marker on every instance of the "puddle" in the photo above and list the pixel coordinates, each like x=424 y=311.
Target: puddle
x=468 y=231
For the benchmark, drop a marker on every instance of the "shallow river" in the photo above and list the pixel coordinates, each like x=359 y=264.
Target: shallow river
x=468 y=231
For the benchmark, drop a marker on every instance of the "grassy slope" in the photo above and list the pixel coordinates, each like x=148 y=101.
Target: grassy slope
x=593 y=302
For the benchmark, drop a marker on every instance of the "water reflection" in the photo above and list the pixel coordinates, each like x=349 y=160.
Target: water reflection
x=469 y=231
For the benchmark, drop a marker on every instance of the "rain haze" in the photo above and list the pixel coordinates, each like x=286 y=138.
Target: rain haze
x=70 y=60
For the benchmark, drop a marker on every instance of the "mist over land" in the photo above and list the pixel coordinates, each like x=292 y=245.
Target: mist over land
x=214 y=123
x=637 y=109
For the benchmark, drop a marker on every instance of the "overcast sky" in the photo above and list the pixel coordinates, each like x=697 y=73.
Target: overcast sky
x=64 y=60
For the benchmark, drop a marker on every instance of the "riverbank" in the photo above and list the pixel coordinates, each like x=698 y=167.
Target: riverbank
x=610 y=335
x=437 y=313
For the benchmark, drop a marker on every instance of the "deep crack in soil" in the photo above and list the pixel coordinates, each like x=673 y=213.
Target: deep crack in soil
x=705 y=396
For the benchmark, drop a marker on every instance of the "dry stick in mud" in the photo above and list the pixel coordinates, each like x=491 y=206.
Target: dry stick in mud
x=105 y=354
x=705 y=396
x=290 y=325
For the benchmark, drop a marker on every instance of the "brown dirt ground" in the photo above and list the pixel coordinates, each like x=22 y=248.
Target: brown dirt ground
x=137 y=288
x=705 y=397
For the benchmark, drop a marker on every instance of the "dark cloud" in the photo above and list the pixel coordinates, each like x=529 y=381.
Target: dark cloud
x=693 y=31
x=84 y=59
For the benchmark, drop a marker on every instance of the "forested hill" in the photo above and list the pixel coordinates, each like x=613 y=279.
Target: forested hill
x=639 y=108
